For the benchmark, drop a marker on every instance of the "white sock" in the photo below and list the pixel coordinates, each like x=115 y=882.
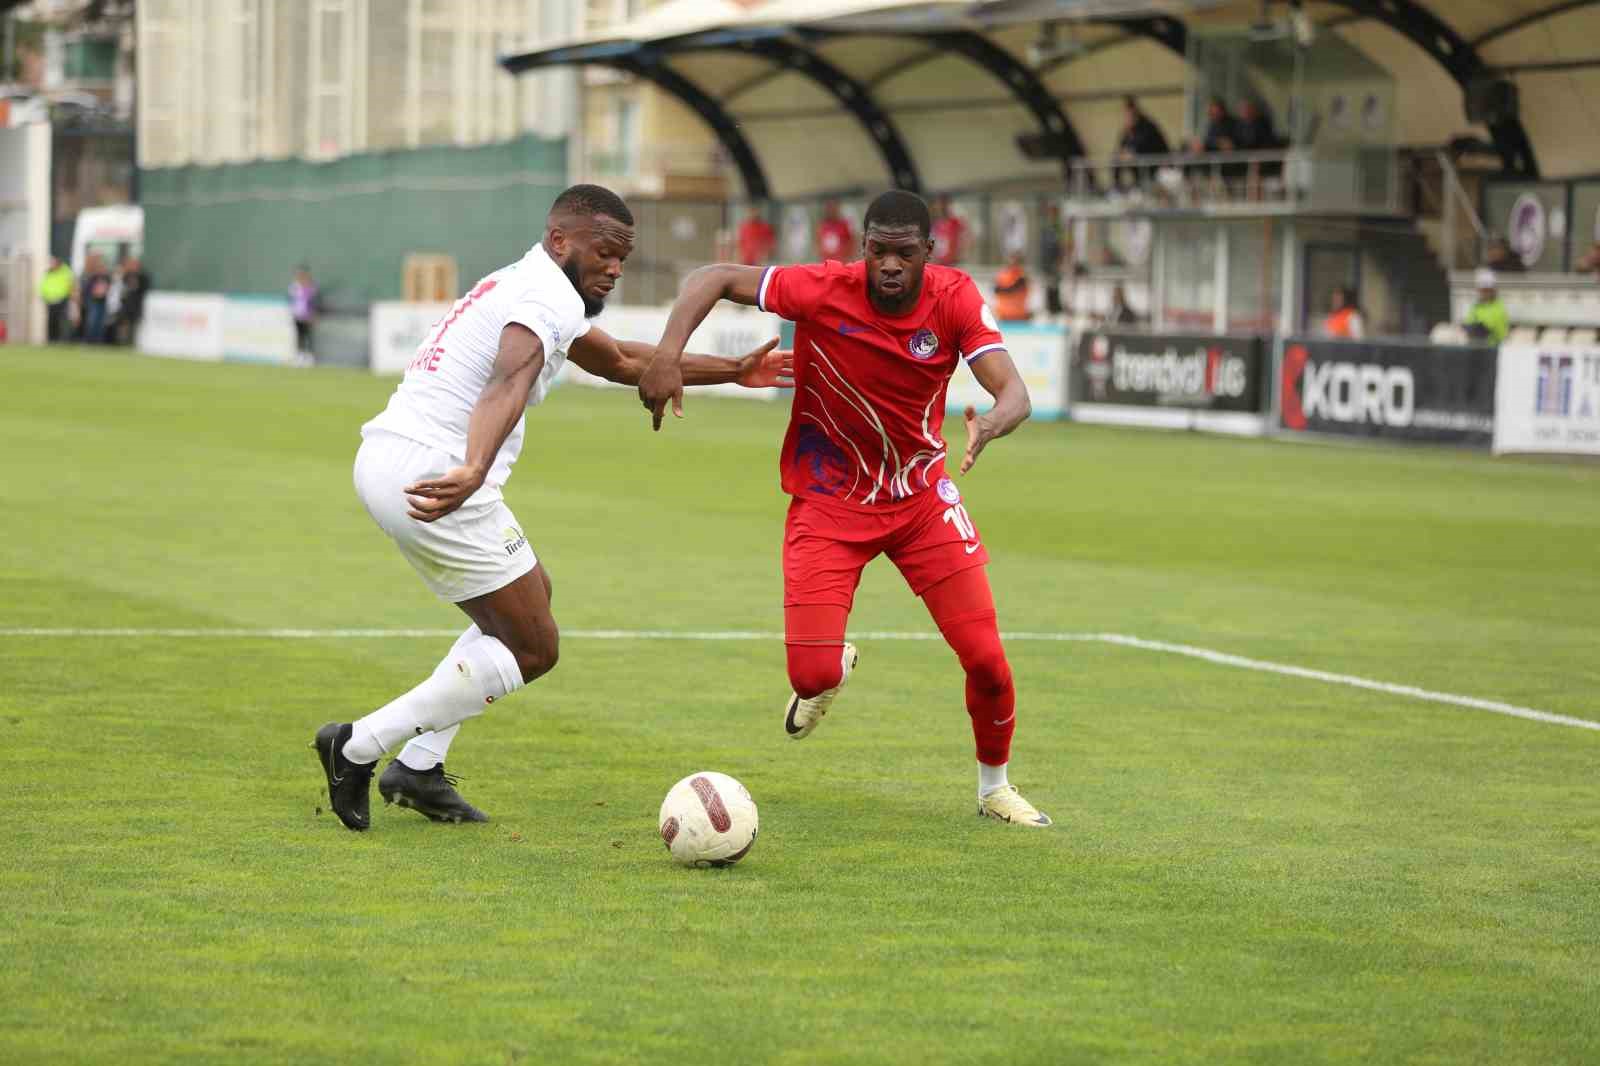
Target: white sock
x=470 y=678
x=428 y=750
x=989 y=778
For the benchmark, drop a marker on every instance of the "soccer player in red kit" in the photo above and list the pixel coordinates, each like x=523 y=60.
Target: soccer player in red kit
x=876 y=342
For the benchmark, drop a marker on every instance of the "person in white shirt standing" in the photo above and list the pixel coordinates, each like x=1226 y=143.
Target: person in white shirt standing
x=431 y=469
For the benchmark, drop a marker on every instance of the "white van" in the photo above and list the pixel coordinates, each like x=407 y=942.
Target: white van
x=115 y=232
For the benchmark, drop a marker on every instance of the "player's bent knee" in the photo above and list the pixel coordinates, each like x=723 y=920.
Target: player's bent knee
x=990 y=671
x=538 y=660
x=814 y=670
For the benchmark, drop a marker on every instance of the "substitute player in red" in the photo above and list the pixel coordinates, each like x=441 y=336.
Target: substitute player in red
x=876 y=342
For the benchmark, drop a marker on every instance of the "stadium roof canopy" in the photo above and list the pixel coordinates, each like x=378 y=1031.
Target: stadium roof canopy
x=833 y=94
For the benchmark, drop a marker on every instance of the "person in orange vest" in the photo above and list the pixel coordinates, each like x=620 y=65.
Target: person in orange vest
x=1344 y=317
x=1011 y=292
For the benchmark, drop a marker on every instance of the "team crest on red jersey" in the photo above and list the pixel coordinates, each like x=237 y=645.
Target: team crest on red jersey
x=947 y=491
x=924 y=342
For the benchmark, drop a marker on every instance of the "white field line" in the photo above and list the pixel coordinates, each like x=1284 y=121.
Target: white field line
x=1218 y=658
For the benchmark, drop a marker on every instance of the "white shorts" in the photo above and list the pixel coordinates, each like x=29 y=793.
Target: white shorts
x=472 y=551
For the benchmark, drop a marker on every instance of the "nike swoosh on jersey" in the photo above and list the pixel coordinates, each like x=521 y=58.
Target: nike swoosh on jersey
x=972 y=548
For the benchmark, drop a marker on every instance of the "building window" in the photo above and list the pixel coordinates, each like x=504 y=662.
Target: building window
x=89 y=59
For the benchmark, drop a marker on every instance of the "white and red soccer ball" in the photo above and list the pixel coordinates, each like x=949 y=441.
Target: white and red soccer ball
x=708 y=819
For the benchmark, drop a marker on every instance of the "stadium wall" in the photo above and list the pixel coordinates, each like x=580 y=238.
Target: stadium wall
x=243 y=228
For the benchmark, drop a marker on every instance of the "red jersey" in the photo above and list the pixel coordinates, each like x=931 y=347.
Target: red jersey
x=835 y=238
x=756 y=241
x=869 y=387
x=948 y=233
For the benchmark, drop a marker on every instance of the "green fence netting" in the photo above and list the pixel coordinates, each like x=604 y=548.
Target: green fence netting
x=243 y=228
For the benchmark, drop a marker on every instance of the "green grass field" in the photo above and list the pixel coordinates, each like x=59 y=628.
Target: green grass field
x=1246 y=867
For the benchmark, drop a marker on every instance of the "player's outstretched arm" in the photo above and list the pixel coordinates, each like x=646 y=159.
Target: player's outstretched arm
x=624 y=362
x=998 y=375
x=504 y=398
x=663 y=380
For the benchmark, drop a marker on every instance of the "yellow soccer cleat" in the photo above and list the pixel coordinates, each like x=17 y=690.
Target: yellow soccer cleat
x=1007 y=804
x=800 y=716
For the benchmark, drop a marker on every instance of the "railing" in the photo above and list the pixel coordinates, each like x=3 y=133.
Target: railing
x=1362 y=181
x=1455 y=203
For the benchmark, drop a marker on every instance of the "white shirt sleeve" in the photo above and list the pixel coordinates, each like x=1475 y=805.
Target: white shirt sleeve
x=555 y=329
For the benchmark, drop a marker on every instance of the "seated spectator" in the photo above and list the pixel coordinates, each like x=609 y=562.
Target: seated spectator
x=1120 y=314
x=1499 y=257
x=1488 y=320
x=1589 y=262
x=1344 y=317
x=1140 y=136
x=1221 y=135
x=1011 y=292
x=757 y=239
x=1253 y=132
x=1222 y=129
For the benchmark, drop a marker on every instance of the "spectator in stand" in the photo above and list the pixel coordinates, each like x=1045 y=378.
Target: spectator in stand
x=1488 y=320
x=1052 y=256
x=1221 y=135
x=1120 y=314
x=1253 y=132
x=1344 y=317
x=135 y=284
x=303 y=306
x=835 y=238
x=1499 y=257
x=93 y=292
x=757 y=238
x=1589 y=262
x=949 y=234
x=1222 y=129
x=1140 y=136
x=1011 y=292
x=55 y=289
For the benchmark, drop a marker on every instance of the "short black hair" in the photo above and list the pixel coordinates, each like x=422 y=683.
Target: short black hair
x=592 y=200
x=897 y=207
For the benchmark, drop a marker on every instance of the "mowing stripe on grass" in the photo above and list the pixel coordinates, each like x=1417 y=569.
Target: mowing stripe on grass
x=1218 y=658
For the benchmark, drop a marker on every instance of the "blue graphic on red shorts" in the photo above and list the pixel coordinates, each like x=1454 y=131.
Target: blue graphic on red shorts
x=823 y=461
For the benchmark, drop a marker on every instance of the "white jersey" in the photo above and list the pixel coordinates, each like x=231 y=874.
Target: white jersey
x=434 y=402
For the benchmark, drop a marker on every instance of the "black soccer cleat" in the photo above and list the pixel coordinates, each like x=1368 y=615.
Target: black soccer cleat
x=348 y=782
x=431 y=793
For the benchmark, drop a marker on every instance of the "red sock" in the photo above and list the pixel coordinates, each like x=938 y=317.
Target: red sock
x=963 y=607
x=813 y=636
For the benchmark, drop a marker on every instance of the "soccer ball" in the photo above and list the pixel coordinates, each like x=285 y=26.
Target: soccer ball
x=708 y=819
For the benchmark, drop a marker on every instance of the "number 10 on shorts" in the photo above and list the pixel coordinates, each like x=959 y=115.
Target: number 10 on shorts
x=957 y=516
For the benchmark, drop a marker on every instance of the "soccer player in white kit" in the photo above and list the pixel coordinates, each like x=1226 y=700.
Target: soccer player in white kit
x=430 y=472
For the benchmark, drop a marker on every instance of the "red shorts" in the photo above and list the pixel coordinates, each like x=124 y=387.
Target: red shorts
x=825 y=547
